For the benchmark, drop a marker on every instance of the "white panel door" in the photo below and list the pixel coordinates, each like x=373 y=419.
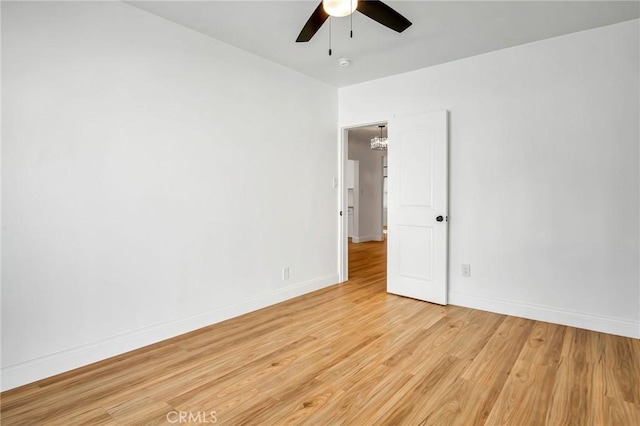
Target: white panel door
x=418 y=204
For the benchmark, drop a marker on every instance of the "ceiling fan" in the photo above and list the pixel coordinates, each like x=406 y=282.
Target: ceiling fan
x=374 y=9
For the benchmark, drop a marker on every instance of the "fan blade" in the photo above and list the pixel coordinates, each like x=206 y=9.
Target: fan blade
x=314 y=23
x=384 y=15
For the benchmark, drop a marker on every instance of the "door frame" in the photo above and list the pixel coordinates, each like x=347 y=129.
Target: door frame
x=343 y=232
x=384 y=181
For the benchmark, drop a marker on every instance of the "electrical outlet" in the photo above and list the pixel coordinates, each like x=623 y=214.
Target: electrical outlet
x=466 y=270
x=285 y=273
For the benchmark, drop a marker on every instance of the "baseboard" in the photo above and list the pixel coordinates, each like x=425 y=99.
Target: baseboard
x=365 y=238
x=60 y=362
x=617 y=326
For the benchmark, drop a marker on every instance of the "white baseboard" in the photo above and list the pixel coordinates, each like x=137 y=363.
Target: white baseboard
x=617 y=326
x=365 y=238
x=56 y=363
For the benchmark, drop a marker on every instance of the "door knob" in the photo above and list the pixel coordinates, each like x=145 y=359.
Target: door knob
x=439 y=218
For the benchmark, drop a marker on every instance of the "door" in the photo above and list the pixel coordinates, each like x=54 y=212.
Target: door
x=418 y=204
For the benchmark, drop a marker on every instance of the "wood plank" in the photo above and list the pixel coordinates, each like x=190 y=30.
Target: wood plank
x=622 y=369
x=365 y=393
x=493 y=364
x=460 y=403
x=410 y=404
x=525 y=396
x=572 y=399
x=618 y=412
x=544 y=345
x=578 y=396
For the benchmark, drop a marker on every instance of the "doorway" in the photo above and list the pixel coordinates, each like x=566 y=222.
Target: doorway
x=363 y=202
x=417 y=258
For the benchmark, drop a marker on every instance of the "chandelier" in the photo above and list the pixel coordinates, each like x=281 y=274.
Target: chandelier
x=379 y=143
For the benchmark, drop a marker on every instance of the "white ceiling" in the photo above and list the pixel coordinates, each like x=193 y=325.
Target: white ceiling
x=442 y=31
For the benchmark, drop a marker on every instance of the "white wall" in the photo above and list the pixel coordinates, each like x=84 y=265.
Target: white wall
x=370 y=201
x=544 y=173
x=154 y=181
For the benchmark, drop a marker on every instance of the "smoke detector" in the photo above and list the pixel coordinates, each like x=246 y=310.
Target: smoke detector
x=344 y=62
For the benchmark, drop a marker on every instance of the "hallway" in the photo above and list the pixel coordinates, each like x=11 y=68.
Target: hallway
x=368 y=261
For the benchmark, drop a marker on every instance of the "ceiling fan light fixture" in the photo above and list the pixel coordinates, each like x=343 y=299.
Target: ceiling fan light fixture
x=339 y=8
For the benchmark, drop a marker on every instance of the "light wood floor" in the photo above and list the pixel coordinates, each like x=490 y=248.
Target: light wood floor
x=352 y=354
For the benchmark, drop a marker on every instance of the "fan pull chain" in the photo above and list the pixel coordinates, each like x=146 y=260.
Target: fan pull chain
x=329 y=36
x=351 y=18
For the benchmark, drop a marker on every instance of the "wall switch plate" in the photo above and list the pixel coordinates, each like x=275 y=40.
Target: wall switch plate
x=285 y=273
x=466 y=270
